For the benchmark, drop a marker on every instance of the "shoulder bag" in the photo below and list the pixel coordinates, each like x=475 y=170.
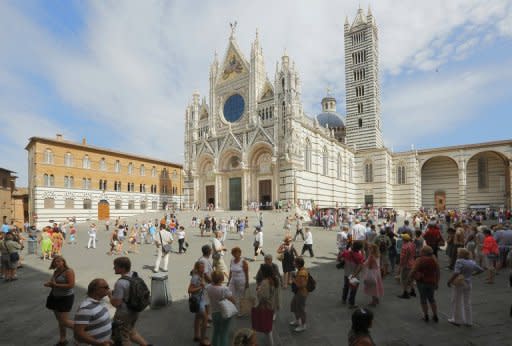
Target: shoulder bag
x=166 y=248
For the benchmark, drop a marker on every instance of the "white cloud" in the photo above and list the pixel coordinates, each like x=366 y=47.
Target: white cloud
x=134 y=68
x=433 y=106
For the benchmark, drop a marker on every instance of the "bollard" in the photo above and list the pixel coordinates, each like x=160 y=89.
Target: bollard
x=31 y=248
x=160 y=296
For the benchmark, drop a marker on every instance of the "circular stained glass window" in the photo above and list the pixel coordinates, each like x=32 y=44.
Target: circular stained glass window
x=234 y=108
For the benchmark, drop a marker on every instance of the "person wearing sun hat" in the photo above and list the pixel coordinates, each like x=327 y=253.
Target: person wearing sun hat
x=407 y=256
x=288 y=251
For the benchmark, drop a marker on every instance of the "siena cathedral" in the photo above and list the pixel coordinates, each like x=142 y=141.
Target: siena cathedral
x=249 y=143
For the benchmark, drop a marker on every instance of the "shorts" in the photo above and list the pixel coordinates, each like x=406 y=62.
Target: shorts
x=123 y=326
x=426 y=293
x=60 y=303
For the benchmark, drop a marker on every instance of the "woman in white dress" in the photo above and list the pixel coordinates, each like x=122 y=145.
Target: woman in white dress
x=238 y=280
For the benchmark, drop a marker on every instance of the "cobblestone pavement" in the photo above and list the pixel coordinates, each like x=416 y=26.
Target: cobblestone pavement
x=25 y=321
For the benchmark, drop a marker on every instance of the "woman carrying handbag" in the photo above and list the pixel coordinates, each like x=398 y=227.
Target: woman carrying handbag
x=268 y=301
x=197 y=303
x=217 y=293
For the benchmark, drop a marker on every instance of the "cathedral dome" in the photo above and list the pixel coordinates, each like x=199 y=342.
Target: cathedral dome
x=329 y=117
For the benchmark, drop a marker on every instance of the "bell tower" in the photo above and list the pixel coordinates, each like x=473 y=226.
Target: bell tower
x=363 y=121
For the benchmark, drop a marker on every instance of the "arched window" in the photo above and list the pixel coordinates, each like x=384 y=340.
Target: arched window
x=130 y=168
x=338 y=167
x=46 y=180
x=360 y=121
x=86 y=163
x=142 y=171
x=307 y=156
x=103 y=164
x=68 y=181
x=48 y=156
x=483 y=176
x=368 y=172
x=400 y=174
x=51 y=180
x=68 y=160
x=117 y=166
x=325 y=161
x=86 y=183
x=153 y=171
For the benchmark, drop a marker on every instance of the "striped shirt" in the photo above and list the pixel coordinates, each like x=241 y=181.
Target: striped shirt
x=95 y=315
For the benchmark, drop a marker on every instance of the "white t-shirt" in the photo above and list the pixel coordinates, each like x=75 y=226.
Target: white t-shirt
x=309 y=238
x=259 y=238
x=358 y=232
x=181 y=234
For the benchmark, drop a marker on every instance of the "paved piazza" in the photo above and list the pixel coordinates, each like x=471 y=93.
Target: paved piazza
x=25 y=320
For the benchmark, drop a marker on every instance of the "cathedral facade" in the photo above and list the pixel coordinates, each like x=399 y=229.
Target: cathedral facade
x=250 y=142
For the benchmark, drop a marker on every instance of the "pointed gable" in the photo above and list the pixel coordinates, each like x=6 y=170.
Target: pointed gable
x=267 y=92
x=359 y=19
x=234 y=65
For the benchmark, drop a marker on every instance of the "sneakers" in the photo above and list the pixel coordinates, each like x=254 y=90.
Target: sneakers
x=300 y=328
x=294 y=323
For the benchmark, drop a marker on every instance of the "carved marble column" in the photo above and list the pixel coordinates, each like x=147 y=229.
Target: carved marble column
x=218 y=190
x=245 y=185
x=275 y=180
x=462 y=184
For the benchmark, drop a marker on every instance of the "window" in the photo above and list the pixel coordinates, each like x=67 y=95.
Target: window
x=350 y=170
x=69 y=182
x=103 y=184
x=49 y=203
x=142 y=204
x=153 y=171
x=130 y=168
x=307 y=156
x=325 y=161
x=164 y=188
x=103 y=164
x=174 y=174
x=142 y=188
x=338 y=167
x=86 y=183
x=48 y=156
x=400 y=174
x=87 y=203
x=69 y=203
x=154 y=205
x=117 y=186
x=368 y=172
x=360 y=108
x=131 y=204
x=142 y=171
x=86 y=163
x=117 y=166
x=118 y=204
x=48 y=180
x=131 y=187
x=360 y=121
x=483 y=176
x=68 y=160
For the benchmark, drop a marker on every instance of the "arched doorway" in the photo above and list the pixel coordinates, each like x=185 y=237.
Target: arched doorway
x=440 y=180
x=488 y=180
x=103 y=210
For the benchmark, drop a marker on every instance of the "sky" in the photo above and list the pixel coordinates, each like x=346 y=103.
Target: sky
x=121 y=73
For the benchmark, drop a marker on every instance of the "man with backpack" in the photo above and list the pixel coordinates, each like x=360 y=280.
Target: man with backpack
x=129 y=296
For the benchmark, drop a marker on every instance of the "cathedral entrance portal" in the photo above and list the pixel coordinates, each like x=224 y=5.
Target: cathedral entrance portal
x=210 y=194
x=235 y=193
x=265 y=194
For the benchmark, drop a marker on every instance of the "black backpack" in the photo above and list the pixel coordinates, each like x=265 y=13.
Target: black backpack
x=382 y=245
x=311 y=285
x=139 y=295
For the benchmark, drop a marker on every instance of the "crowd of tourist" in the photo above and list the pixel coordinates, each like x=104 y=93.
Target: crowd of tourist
x=371 y=247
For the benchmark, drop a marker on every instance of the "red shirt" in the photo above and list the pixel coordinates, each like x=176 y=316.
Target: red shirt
x=407 y=255
x=490 y=246
x=432 y=236
x=429 y=269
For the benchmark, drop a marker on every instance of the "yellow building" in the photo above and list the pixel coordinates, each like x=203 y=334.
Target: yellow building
x=7 y=187
x=81 y=181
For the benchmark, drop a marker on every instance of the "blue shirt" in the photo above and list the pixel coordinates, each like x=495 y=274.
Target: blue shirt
x=5 y=228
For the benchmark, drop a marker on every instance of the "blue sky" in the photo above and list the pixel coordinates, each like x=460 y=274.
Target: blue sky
x=122 y=72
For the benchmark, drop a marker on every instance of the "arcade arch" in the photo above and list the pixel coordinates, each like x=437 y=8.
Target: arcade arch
x=440 y=183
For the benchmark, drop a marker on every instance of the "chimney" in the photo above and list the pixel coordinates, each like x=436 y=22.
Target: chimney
x=84 y=141
x=59 y=137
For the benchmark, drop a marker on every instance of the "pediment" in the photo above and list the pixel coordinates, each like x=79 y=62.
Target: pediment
x=261 y=135
x=235 y=65
x=267 y=92
x=231 y=142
